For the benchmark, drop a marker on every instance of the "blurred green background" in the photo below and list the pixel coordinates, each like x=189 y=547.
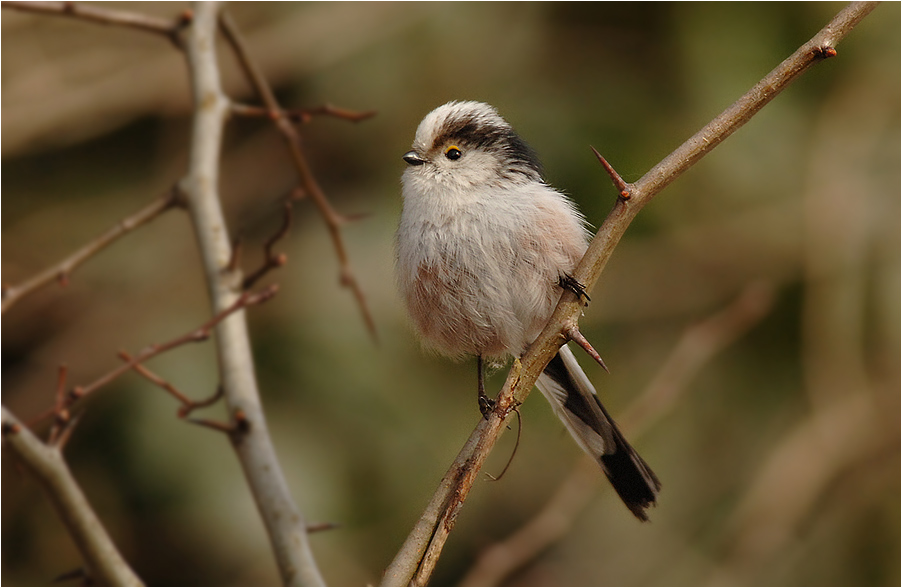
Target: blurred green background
x=780 y=456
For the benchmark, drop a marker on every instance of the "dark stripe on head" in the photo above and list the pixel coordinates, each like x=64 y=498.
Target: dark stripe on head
x=495 y=135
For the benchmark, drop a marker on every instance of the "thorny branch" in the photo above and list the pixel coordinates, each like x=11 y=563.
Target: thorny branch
x=334 y=221
x=416 y=559
x=63 y=269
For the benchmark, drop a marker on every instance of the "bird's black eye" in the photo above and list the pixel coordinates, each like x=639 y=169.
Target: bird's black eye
x=452 y=153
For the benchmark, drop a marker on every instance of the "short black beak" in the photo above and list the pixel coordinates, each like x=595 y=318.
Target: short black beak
x=412 y=158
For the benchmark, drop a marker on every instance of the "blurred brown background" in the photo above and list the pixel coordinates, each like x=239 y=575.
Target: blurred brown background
x=779 y=459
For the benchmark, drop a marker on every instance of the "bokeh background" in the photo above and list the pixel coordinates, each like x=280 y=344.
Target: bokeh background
x=778 y=449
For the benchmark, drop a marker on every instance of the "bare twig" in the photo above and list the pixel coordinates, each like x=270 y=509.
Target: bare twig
x=283 y=520
x=417 y=557
x=169 y=28
x=510 y=460
x=104 y=564
x=334 y=221
x=76 y=574
x=187 y=405
x=303 y=115
x=320 y=527
x=201 y=333
x=64 y=401
x=60 y=412
x=236 y=429
x=63 y=269
x=272 y=260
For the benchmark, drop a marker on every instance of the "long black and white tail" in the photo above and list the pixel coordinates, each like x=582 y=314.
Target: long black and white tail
x=573 y=399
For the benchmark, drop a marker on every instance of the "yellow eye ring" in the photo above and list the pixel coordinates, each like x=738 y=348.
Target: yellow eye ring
x=453 y=153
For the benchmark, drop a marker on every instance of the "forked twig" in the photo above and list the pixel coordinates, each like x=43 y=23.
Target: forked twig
x=187 y=405
x=271 y=260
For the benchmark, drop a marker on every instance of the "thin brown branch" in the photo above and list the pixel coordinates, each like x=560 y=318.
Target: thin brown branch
x=64 y=268
x=104 y=564
x=169 y=28
x=272 y=260
x=60 y=412
x=76 y=574
x=66 y=432
x=510 y=460
x=185 y=411
x=310 y=186
x=187 y=405
x=303 y=115
x=235 y=257
x=234 y=429
x=410 y=564
x=202 y=333
x=320 y=527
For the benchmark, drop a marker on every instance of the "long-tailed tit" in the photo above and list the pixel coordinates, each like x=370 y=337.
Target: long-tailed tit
x=483 y=247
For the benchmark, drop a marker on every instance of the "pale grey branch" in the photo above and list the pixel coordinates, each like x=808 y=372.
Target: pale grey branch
x=285 y=525
x=104 y=564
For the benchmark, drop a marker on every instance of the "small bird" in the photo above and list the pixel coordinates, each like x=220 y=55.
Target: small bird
x=484 y=248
